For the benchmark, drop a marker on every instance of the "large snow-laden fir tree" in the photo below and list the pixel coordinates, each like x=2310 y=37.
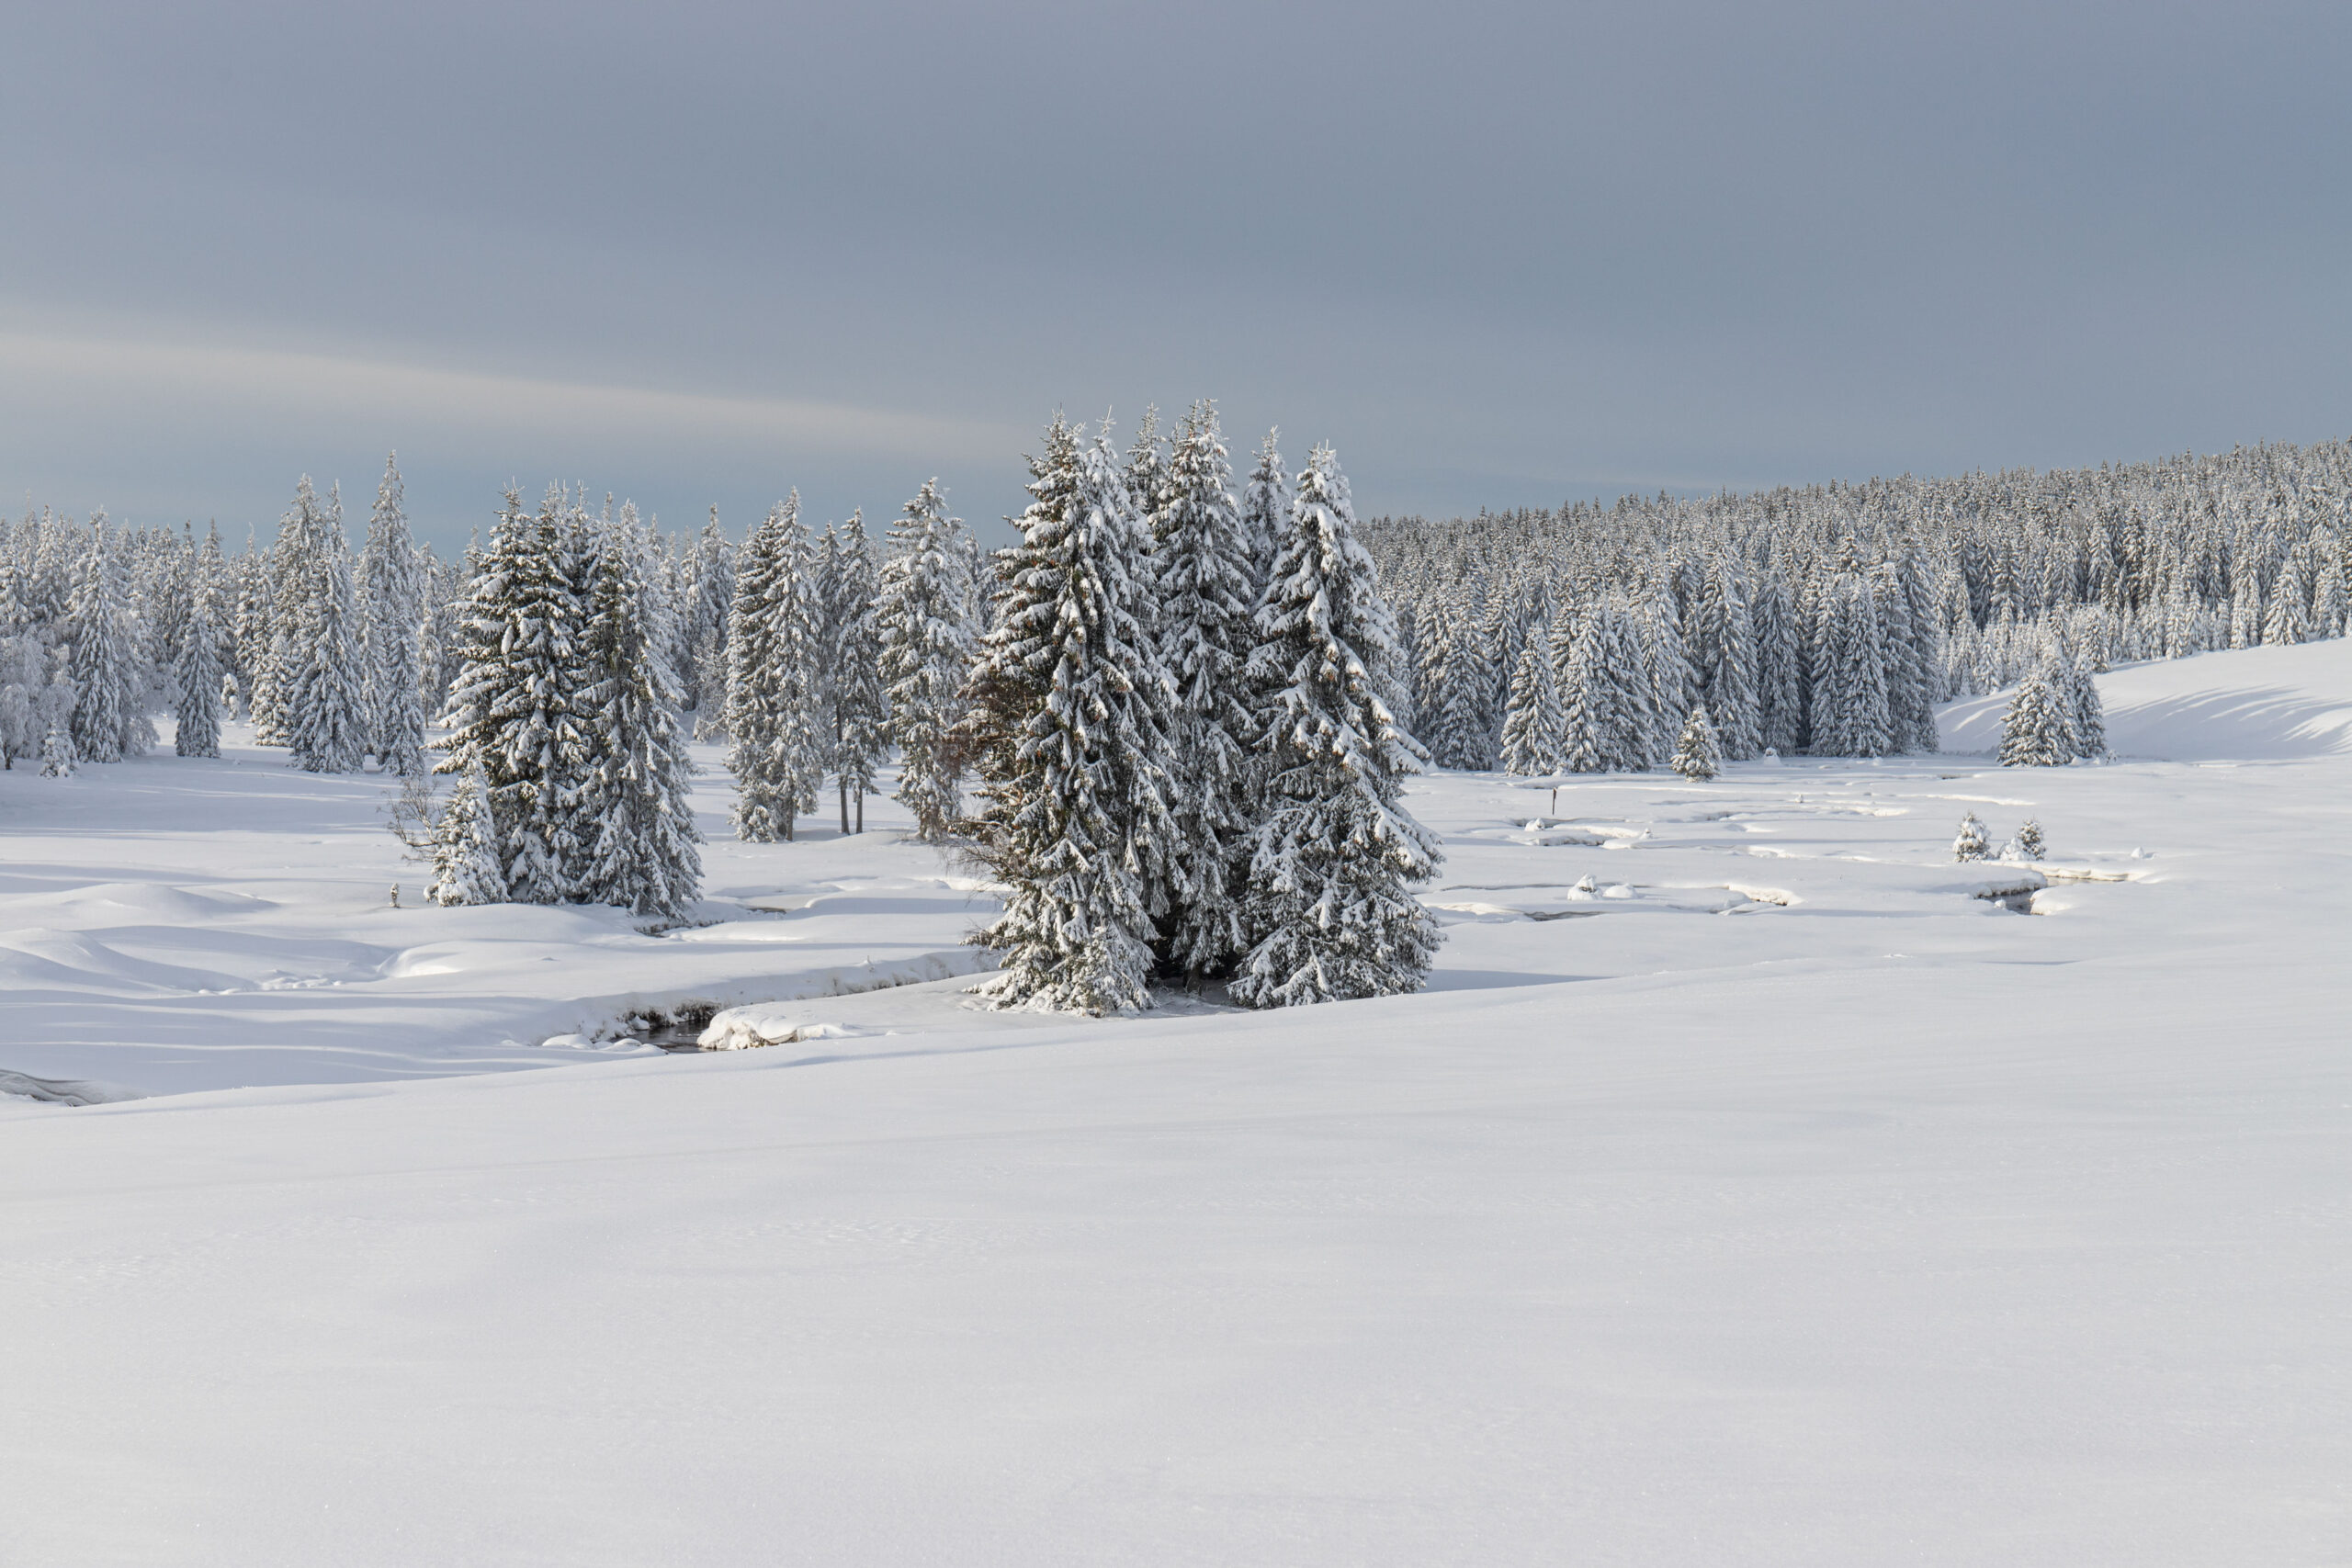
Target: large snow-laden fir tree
x=1328 y=903
x=513 y=712
x=926 y=617
x=636 y=791
x=857 y=701
x=393 y=580
x=1072 y=703
x=1207 y=587
x=774 y=665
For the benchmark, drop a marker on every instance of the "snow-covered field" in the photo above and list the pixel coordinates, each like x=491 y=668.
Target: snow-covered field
x=1779 y=1198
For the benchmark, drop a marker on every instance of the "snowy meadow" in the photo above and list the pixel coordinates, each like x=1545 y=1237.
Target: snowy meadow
x=1751 y=1182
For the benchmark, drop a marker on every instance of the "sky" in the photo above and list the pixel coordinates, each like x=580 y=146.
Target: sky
x=1496 y=254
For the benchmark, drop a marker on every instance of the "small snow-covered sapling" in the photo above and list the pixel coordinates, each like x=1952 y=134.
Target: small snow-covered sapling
x=1972 y=843
x=1697 y=754
x=2028 y=844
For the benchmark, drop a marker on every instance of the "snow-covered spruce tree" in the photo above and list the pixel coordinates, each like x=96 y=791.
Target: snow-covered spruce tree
x=1911 y=703
x=2038 y=730
x=198 y=731
x=450 y=587
x=860 y=705
x=1534 y=723
x=1671 y=686
x=1725 y=658
x=1849 y=716
x=1607 y=716
x=467 y=863
x=327 y=707
x=2028 y=844
x=711 y=566
x=1462 y=739
x=1972 y=842
x=2084 y=707
x=926 y=617
x=24 y=662
x=1071 y=702
x=1328 y=903
x=1265 y=509
x=1697 y=754
x=1207 y=598
x=393 y=589
x=108 y=721
x=1146 y=471
x=1780 y=701
x=1585 y=691
x=2288 y=618
x=511 y=710
x=293 y=583
x=774 y=662
x=1645 y=724
x=636 y=791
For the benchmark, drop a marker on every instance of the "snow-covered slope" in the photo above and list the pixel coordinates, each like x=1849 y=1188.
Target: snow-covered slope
x=2251 y=704
x=1780 y=1202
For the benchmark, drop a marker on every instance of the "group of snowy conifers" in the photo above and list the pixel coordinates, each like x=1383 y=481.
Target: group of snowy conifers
x=1179 y=714
x=1185 y=730
x=100 y=627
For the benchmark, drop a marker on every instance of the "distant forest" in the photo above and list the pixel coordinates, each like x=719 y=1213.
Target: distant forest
x=1832 y=618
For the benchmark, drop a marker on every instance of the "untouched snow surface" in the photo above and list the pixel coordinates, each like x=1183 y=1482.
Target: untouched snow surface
x=1777 y=1198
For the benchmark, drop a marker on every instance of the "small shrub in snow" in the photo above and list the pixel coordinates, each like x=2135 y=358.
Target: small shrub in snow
x=57 y=750
x=1972 y=843
x=1696 y=754
x=2028 y=844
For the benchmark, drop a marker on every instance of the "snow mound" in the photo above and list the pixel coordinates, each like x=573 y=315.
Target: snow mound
x=2250 y=704
x=42 y=959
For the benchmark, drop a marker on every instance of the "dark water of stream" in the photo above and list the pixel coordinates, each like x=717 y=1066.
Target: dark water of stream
x=677 y=1032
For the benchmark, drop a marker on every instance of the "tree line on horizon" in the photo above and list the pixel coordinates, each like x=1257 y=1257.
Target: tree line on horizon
x=1180 y=712
x=1833 y=619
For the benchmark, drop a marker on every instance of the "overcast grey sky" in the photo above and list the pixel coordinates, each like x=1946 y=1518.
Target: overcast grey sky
x=1498 y=254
